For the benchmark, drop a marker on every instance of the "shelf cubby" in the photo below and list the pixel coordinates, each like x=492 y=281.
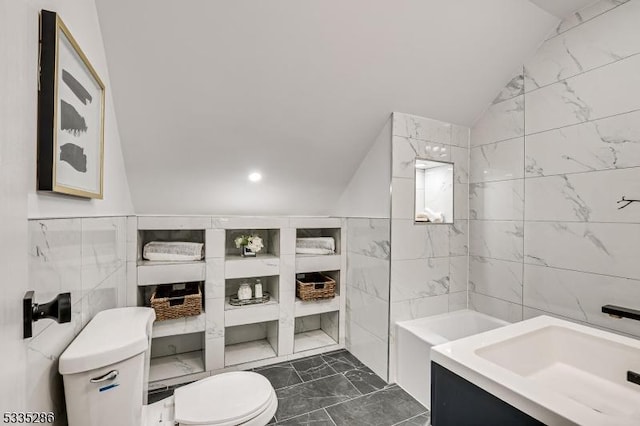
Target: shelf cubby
x=176 y=355
x=270 y=239
x=314 y=307
x=171 y=366
x=253 y=342
x=145 y=292
x=186 y=325
x=335 y=233
x=185 y=235
x=316 y=331
x=270 y=284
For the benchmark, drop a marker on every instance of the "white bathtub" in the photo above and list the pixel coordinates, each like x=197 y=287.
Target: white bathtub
x=415 y=338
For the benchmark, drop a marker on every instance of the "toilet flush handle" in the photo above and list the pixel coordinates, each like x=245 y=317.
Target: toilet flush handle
x=111 y=375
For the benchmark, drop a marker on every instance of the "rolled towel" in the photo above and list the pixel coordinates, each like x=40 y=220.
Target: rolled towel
x=431 y=216
x=326 y=244
x=173 y=251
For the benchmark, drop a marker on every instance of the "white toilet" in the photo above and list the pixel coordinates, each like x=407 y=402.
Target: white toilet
x=105 y=371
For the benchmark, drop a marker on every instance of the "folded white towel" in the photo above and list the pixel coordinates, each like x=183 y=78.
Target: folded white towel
x=174 y=251
x=325 y=243
x=319 y=251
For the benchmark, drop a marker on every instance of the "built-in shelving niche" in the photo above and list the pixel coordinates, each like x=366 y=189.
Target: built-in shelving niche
x=270 y=239
x=185 y=235
x=316 y=331
x=270 y=284
x=176 y=356
x=335 y=275
x=145 y=292
x=321 y=232
x=250 y=342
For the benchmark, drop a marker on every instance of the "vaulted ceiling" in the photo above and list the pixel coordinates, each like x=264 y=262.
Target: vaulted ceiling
x=207 y=91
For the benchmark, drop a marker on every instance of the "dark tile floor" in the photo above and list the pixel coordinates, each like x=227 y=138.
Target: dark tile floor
x=335 y=389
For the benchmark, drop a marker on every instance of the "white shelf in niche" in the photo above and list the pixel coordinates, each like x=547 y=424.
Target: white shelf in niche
x=174 y=327
x=250 y=314
x=313 y=307
x=170 y=366
x=155 y=272
x=313 y=263
x=255 y=350
x=313 y=339
x=248 y=267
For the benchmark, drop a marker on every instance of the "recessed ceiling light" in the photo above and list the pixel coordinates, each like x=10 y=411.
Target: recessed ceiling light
x=255 y=177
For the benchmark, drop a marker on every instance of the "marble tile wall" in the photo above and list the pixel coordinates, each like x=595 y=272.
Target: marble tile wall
x=429 y=262
x=84 y=256
x=549 y=161
x=367 y=325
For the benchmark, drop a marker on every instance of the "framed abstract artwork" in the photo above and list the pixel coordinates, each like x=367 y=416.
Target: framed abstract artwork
x=70 y=115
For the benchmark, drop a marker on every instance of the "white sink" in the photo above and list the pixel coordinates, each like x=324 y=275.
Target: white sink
x=556 y=371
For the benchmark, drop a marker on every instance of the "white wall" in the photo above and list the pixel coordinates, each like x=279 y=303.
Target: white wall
x=28 y=367
x=14 y=143
x=82 y=19
x=208 y=90
x=368 y=193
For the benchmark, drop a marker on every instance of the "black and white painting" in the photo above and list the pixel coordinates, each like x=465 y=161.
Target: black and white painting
x=70 y=115
x=79 y=129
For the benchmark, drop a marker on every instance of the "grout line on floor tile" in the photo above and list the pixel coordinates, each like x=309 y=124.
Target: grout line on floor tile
x=414 y=417
x=330 y=418
x=337 y=403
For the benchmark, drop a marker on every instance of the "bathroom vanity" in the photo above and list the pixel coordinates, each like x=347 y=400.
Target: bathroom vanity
x=540 y=371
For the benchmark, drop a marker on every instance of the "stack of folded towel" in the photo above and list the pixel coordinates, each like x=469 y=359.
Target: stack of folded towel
x=429 y=215
x=315 y=245
x=173 y=251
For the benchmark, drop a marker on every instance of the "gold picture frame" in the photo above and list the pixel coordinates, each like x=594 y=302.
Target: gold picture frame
x=70 y=115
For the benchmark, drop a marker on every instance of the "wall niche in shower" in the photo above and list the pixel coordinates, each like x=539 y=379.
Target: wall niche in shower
x=433 y=201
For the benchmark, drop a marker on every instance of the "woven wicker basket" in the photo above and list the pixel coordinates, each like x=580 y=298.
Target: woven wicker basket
x=315 y=286
x=171 y=304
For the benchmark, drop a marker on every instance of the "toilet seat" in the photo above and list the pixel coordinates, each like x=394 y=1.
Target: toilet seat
x=226 y=399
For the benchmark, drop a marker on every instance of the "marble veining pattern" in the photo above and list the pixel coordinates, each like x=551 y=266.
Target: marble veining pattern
x=422 y=128
x=497 y=239
x=497 y=161
x=507 y=311
x=602 y=248
x=501 y=121
x=583 y=197
x=497 y=278
x=585 y=14
x=83 y=256
x=609 y=143
x=573 y=250
x=589 y=96
x=515 y=87
x=425 y=257
x=418 y=278
x=586 y=47
x=367 y=296
x=503 y=200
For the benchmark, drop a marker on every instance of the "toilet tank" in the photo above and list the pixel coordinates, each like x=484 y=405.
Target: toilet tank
x=106 y=367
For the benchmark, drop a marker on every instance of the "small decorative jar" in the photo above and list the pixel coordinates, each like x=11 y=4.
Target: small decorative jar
x=258 y=289
x=244 y=292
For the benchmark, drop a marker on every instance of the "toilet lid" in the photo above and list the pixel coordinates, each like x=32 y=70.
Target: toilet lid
x=225 y=398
